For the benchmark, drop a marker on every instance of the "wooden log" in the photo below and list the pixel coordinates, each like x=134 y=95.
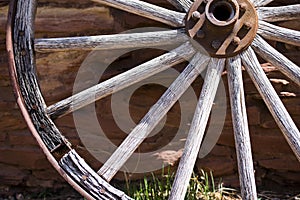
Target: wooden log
x=196 y=133
x=280 y=13
x=163 y=15
x=88 y=179
x=260 y=3
x=241 y=129
x=121 y=81
x=271 y=55
x=273 y=32
x=153 y=117
x=182 y=5
x=272 y=100
x=63 y=20
x=24 y=60
x=108 y=42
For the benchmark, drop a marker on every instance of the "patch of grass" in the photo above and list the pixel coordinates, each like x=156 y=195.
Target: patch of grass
x=202 y=186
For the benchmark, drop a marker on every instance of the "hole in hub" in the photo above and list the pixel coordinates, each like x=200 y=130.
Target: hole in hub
x=222 y=11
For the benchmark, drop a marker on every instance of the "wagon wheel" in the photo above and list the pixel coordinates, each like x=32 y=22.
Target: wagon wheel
x=229 y=30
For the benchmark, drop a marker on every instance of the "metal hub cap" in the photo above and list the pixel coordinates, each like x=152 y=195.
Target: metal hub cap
x=223 y=27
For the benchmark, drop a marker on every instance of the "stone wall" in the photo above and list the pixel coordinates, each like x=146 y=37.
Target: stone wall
x=22 y=163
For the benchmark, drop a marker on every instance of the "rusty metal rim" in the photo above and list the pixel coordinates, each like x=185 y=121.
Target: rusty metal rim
x=22 y=106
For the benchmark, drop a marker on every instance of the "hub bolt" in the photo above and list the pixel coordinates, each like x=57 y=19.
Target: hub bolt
x=236 y=41
x=248 y=25
x=200 y=34
x=196 y=15
x=243 y=6
x=216 y=44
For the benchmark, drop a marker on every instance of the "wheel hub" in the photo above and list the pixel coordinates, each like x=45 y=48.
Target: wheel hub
x=223 y=28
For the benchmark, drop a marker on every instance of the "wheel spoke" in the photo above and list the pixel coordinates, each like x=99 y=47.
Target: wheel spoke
x=271 y=55
x=152 y=118
x=272 y=100
x=108 y=42
x=260 y=3
x=197 y=130
x=182 y=5
x=281 y=13
x=273 y=32
x=173 y=18
x=121 y=81
x=241 y=129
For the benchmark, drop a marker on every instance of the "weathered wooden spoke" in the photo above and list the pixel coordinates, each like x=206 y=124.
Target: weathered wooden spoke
x=241 y=130
x=172 y=18
x=108 y=42
x=280 y=13
x=273 y=102
x=273 y=32
x=141 y=72
x=260 y=3
x=182 y=5
x=153 y=117
x=197 y=129
x=271 y=55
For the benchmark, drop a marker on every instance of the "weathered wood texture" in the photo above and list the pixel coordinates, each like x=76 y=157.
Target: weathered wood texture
x=108 y=42
x=182 y=5
x=273 y=32
x=21 y=38
x=271 y=55
x=147 y=10
x=153 y=117
x=273 y=102
x=280 y=13
x=198 y=126
x=88 y=179
x=121 y=81
x=63 y=20
x=241 y=129
x=260 y=3
x=26 y=72
x=274 y=161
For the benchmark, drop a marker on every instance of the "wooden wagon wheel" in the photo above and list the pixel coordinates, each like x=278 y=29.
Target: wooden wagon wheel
x=229 y=30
